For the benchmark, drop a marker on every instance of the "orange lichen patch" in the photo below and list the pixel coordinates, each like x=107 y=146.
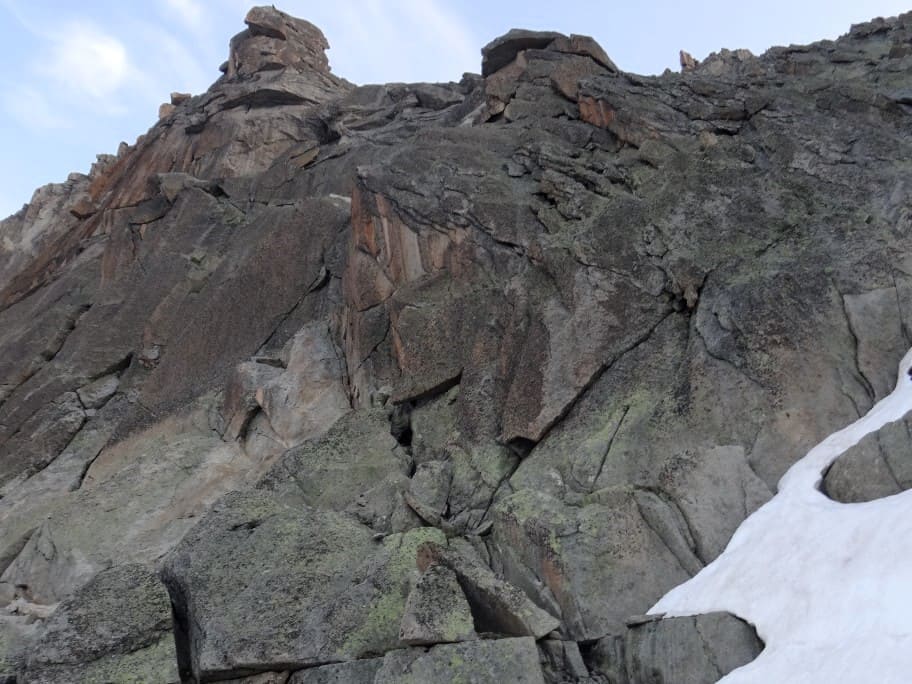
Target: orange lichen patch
x=402 y=356
x=552 y=574
x=596 y=112
x=428 y=554
x=402 y=251
x=362 y=220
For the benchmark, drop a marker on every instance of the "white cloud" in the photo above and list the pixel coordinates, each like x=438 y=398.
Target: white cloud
x=394 y=40
x=176 y=67
x=190 y=12
x=445 y=29
x=86 y=60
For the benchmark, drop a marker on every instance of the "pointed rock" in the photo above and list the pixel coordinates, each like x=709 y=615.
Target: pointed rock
x=503 y=50
x=275 y=40
x=497 y=605
x=436 y=611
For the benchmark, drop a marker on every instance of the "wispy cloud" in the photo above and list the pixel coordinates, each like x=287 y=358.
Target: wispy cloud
x=445 y=28
x=177 y=66
x=395 y=40
x=79 y=63
x=85 y=59
x=190 y=12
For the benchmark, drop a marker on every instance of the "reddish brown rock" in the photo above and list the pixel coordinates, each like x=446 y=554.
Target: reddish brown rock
x=595 y=112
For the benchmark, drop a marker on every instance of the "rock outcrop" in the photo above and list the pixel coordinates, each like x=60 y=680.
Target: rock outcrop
x=413 y=382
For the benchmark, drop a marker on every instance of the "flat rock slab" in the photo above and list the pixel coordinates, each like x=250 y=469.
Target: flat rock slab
x=136 y=502
x=260 y=585
x=502 y=50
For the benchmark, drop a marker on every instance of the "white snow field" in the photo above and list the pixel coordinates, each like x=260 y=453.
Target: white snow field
x=827 y=585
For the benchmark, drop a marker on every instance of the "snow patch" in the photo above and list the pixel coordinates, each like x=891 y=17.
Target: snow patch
x=827 y=585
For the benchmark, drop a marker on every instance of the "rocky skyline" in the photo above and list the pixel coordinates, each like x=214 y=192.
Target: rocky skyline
x=82 y=77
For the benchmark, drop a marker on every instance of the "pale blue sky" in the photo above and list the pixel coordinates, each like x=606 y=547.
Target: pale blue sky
x=79 y=77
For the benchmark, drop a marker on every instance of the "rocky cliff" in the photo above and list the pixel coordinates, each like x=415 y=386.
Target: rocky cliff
x=444 y=382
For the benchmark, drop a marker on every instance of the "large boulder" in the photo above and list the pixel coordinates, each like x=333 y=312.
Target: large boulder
x=879 y=465
x=700 y=649
x=356 y=466
x=331 y=590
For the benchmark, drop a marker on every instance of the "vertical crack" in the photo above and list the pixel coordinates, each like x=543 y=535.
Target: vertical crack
x=865 y=382
x=617 y=429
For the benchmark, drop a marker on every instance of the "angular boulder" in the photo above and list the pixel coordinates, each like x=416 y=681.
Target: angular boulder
x=436 y=611
x=332 y=590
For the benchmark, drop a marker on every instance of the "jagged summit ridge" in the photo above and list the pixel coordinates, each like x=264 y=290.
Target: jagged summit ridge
x=488 y=366
x=275 y=40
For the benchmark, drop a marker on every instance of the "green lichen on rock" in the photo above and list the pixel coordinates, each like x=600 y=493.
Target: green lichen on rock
x=398 y=572
x=436 y=610
x=261 y=581
x=155 y=663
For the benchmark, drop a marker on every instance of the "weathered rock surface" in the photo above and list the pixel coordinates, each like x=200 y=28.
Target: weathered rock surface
x=584 y=561
x=354 y=672
x=353 y=467
x=700 y=649
x=879 y=465
x=485 y=662
x=117 y=628
x=145 y=493
x=436 y=611
x=498 y=606
x=333 y=591
x=342 y=360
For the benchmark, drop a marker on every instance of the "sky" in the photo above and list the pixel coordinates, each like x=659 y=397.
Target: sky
x=80 y=77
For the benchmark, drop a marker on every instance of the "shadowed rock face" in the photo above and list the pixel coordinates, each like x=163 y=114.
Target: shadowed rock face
x=567 y=323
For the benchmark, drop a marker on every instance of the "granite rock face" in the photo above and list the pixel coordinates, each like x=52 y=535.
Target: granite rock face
x=413 y=382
